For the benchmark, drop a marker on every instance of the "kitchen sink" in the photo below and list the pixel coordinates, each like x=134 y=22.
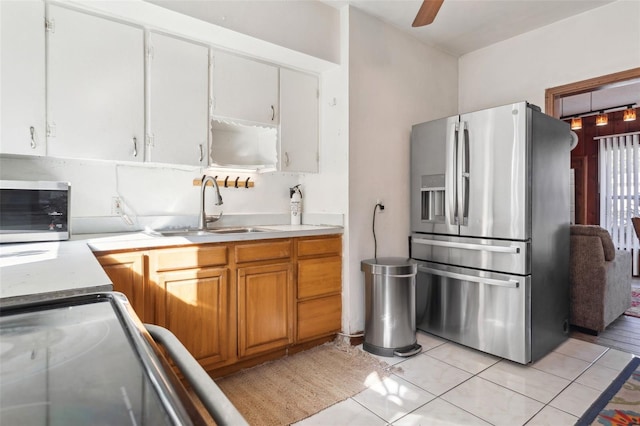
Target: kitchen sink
x=239 y=230
x=183 y=233
x=200 y=232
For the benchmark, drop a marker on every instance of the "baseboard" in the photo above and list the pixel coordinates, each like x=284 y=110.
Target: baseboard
x=584 y=330
x=355 y=341
x=352 y=339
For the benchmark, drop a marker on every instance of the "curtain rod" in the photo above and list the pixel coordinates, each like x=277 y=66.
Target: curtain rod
x=616 y=136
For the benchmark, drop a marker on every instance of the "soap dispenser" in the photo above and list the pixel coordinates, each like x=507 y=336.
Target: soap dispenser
x=296 y=205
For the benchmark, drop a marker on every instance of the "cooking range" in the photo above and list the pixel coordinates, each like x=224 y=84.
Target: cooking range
x=88 y=360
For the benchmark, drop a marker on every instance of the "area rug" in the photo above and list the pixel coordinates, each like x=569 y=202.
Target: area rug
x=620 y=403
x=290 y=389
x=634 y=310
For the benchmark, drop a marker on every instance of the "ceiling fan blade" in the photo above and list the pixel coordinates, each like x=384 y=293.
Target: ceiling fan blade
x=427 y=12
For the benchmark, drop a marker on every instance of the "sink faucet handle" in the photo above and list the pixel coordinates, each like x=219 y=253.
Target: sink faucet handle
x=212 y=218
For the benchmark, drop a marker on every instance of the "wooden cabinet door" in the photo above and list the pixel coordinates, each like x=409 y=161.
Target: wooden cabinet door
x=178 y=74
x=265 y=308
x=22 y=78
x=319 y=317
x=128 y=275
x=194 y=305
x=317 y=277
x=95 y=87
x=298 y=121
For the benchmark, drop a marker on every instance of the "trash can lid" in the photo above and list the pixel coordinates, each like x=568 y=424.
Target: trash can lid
x=390 y=266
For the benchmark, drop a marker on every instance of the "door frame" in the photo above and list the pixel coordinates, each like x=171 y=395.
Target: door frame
x=554 y=93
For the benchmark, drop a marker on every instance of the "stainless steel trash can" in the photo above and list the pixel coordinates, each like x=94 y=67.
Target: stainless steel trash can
x=390 y=306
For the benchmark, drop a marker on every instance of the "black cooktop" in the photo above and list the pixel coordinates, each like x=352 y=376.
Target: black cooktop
x=81 y=360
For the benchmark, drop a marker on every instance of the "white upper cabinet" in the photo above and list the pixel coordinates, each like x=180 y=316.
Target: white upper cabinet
x=95 y=87
x=244 y=89
x=298 y=121
x=178 y=74
x=22 y=84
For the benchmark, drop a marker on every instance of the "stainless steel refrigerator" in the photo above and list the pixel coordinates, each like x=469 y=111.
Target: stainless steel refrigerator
x=490 y=229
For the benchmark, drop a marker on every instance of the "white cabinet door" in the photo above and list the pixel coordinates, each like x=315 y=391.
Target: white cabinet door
x=95 y=87
x=244 y=89
x=22 y=85
x=178 y=101
x=298 y=121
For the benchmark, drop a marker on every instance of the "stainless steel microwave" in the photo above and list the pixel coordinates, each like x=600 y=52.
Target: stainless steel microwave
x=34 y=211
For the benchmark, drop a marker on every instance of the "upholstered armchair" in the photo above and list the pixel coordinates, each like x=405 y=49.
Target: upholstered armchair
x=600 y=278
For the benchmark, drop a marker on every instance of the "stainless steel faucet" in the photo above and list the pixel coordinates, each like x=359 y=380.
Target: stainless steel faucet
x=204 y=219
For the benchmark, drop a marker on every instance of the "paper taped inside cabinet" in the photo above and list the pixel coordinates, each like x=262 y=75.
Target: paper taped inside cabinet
x=243 y=145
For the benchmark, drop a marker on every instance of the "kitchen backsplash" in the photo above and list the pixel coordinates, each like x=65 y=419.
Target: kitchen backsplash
x=155 y=194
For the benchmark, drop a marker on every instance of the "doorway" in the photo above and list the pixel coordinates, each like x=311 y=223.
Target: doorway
x=592 y=205
x=584 y=159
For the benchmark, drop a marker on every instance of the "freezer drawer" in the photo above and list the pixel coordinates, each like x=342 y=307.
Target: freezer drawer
x=512 y=257
x=486 y=311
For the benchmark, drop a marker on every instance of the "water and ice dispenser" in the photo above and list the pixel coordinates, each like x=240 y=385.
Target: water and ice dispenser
x=433 y=198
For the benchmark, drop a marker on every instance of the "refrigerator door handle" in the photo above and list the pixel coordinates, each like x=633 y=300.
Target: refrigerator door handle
x=481 y=280
x=464 y=173
x=452 y=174
x=461 y=171
x=468 y=246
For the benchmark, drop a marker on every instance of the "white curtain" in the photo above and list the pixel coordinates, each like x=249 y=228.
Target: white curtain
x=620 y=187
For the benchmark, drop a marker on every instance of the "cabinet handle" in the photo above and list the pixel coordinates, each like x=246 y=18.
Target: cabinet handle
x=135 y=146
x=32 y=130
x=286 y=158
x=273 y=113
x=200 y=152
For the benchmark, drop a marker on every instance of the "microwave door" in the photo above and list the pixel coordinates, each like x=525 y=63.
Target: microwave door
x=492 y=173
x=433 y=177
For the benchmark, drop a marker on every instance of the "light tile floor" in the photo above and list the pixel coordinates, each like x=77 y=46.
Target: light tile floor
x=448 y=384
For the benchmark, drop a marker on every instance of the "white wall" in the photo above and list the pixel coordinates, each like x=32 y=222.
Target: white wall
x=394 y=82
x=598 y=42
x=311 y=27
x=149 y=190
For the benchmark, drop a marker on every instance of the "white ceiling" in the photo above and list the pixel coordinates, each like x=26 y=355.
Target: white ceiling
x=463 y=26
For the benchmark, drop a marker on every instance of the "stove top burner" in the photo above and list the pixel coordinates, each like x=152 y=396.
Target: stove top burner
x=74 y=365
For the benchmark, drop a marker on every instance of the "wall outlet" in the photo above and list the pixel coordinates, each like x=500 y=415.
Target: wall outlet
x=116 y=206
x=380 y=203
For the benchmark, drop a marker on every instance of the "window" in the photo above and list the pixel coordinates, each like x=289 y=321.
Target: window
x=620 y=187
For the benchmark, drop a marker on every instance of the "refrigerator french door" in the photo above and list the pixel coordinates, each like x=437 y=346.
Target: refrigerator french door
x=470 y=172
x=490 y=195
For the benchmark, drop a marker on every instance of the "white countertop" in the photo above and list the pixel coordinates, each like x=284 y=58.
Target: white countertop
x=37 y=271
x=140 y=240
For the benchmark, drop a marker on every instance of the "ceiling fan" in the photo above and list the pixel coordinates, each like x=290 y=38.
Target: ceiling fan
x=427 y=12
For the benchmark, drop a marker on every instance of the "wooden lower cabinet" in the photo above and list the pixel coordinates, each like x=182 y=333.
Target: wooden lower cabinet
x=194 y=305
x=238 y=303
x=319 y=287
x=265 y=308
x=127 y=272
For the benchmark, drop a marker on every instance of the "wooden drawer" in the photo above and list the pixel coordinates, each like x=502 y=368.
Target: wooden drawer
x=188 y=257
x=263 y=251
x=319 y=317
x=319 y=246
x=321 y=276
